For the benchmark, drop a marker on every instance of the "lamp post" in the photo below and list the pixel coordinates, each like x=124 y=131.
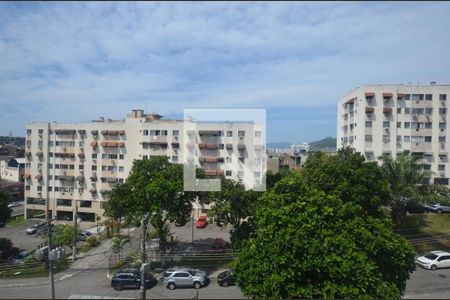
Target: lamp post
x=143 y=255
x=74 y=245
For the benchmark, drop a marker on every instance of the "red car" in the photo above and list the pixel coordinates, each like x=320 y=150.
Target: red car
x=201 y=222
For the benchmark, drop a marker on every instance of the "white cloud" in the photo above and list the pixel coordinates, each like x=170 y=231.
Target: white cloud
x=59 y=58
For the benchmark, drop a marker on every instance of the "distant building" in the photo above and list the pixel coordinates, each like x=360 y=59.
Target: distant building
x=14 y=188
x=12 y=169
x=299 y=148
x=389 y=119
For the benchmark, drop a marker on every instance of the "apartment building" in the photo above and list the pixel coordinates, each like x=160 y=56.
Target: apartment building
x=76 y=165
x=388 y=119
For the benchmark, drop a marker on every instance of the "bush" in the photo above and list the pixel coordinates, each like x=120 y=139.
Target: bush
x=5 y=244
x=29 y=259
x=92 y=241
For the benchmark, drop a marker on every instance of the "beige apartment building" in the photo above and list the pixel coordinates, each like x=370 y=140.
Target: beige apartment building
x=76 y=165
x=388 y=119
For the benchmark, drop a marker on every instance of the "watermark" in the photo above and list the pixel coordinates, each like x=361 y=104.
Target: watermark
x=228 y=142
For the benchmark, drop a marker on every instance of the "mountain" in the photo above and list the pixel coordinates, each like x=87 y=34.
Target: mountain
x=281 y=145
x=328 y=143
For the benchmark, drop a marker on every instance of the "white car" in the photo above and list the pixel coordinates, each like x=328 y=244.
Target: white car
x=434 y=260
x=14 y=204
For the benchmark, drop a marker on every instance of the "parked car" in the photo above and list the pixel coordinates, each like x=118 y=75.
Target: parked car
x=415 y=207
x=201 y=222
x=434 y=260
x=226 y=278
x=189 y=251
x=438 y=208
x=18 y=260
x=131 y=279
x=84 y=235
x=35 y=227
x=14 y=204
x=184 y=277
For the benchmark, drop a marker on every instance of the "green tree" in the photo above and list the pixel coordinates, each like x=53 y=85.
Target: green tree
x=115 y=208
x=312 y=245
x=5 y=211
x=349 y=177
x=153 y=187
x=236 y=206
x=404 y=174
x=62 y=234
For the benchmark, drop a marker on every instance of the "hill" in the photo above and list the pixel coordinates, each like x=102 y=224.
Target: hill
x=15 y=140
x=328 y=143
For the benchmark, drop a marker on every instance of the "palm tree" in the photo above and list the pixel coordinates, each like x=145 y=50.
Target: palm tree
x=404 y=175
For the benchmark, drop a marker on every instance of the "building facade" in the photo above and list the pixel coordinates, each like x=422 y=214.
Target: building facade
x=12 y=169
x=76 y=165
x=389 y=119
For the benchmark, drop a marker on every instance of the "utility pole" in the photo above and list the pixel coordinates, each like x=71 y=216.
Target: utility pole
x=50 y=262
x=143 y=256
x=192 y=228
x=74 y=245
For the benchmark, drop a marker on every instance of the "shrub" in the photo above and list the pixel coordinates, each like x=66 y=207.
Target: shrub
x=92 y=241
x=30 y=258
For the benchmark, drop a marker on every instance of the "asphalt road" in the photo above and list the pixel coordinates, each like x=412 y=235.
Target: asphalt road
x=19 y=238
x=426 y=284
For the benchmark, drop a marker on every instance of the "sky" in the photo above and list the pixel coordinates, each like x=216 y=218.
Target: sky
x=77 y=61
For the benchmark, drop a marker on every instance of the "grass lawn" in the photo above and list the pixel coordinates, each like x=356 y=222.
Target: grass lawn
x=13 y=222
x=427 y=232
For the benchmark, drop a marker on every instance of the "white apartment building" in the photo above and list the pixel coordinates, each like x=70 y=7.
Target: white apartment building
x=388 y=119
x=12 y=169
x=70 y=165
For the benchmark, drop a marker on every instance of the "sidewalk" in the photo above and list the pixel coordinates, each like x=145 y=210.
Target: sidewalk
x=83 y=262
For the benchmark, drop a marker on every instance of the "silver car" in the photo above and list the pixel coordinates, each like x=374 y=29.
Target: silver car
x=438 y=208
x=184 y=277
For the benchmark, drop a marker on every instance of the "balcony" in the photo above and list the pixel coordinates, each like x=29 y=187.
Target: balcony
x=229 y=146
x=109 y=179
x=388 y=96
x=65 y=177
x=369 y=110
x=94 y=144
x=387 y=110
x=64 y=154
x=241 y=146
x=214 y=172
x=38 y=177
x=81 y=132
x=65 y=132
x=94 y=133
x=80 y=179
x=110 y=132
x=81 y=155
x=209 y=132
x=210 y=159
x=66 y=195
x=400 y=96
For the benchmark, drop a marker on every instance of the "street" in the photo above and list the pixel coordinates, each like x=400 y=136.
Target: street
x=426 y=284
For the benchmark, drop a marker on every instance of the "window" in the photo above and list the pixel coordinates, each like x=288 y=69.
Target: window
x=227 y=173
x=386 y=138
x=175 y=133
x=120 y=180
x=258 y=134
x=49 y=188
x=428 y=97
x=399 y=110
x=27 y=188
x=407 y=125
x=241 y=133
x=120 y=169
x=50 y=177
x=174 y=159
x=368 y=138
x=39 y=188
x=399 y=138
x=428 y=139
x=81 y=143
x=428 y=111
x=443 y=97
x=241 y=159
x=441 y=167
x=120 y=156
x=228 y=159
x=144 y=156
x=386 y=124
x=442 y=126
x=416 y=139
x=145 y=132
x=57 y=143
x=104 y=156
x=407 y=110
x=428 y=125
x=442 y=111
x=406 y=138
x=94 y=155
x=163 y=132
x=368 y=124
x=417 y=97
x=399 y=124
x=28 y=131
x=407 y=96
x=94 y=168
x=81 y=167
x=154 y=132
x=442 y=139
x=229 y=133
x=50 y=143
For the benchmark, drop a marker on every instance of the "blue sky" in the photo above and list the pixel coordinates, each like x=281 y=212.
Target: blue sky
x=74 y=62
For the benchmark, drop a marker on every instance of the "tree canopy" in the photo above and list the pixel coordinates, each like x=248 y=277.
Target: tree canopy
x=154 y=186
x=404 y=174
x=5 y=211
x=349 y=177
x=310 y=244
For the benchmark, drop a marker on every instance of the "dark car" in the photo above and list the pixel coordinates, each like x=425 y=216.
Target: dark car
x=226 y=278
x=131 y=279
x=415 y=207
